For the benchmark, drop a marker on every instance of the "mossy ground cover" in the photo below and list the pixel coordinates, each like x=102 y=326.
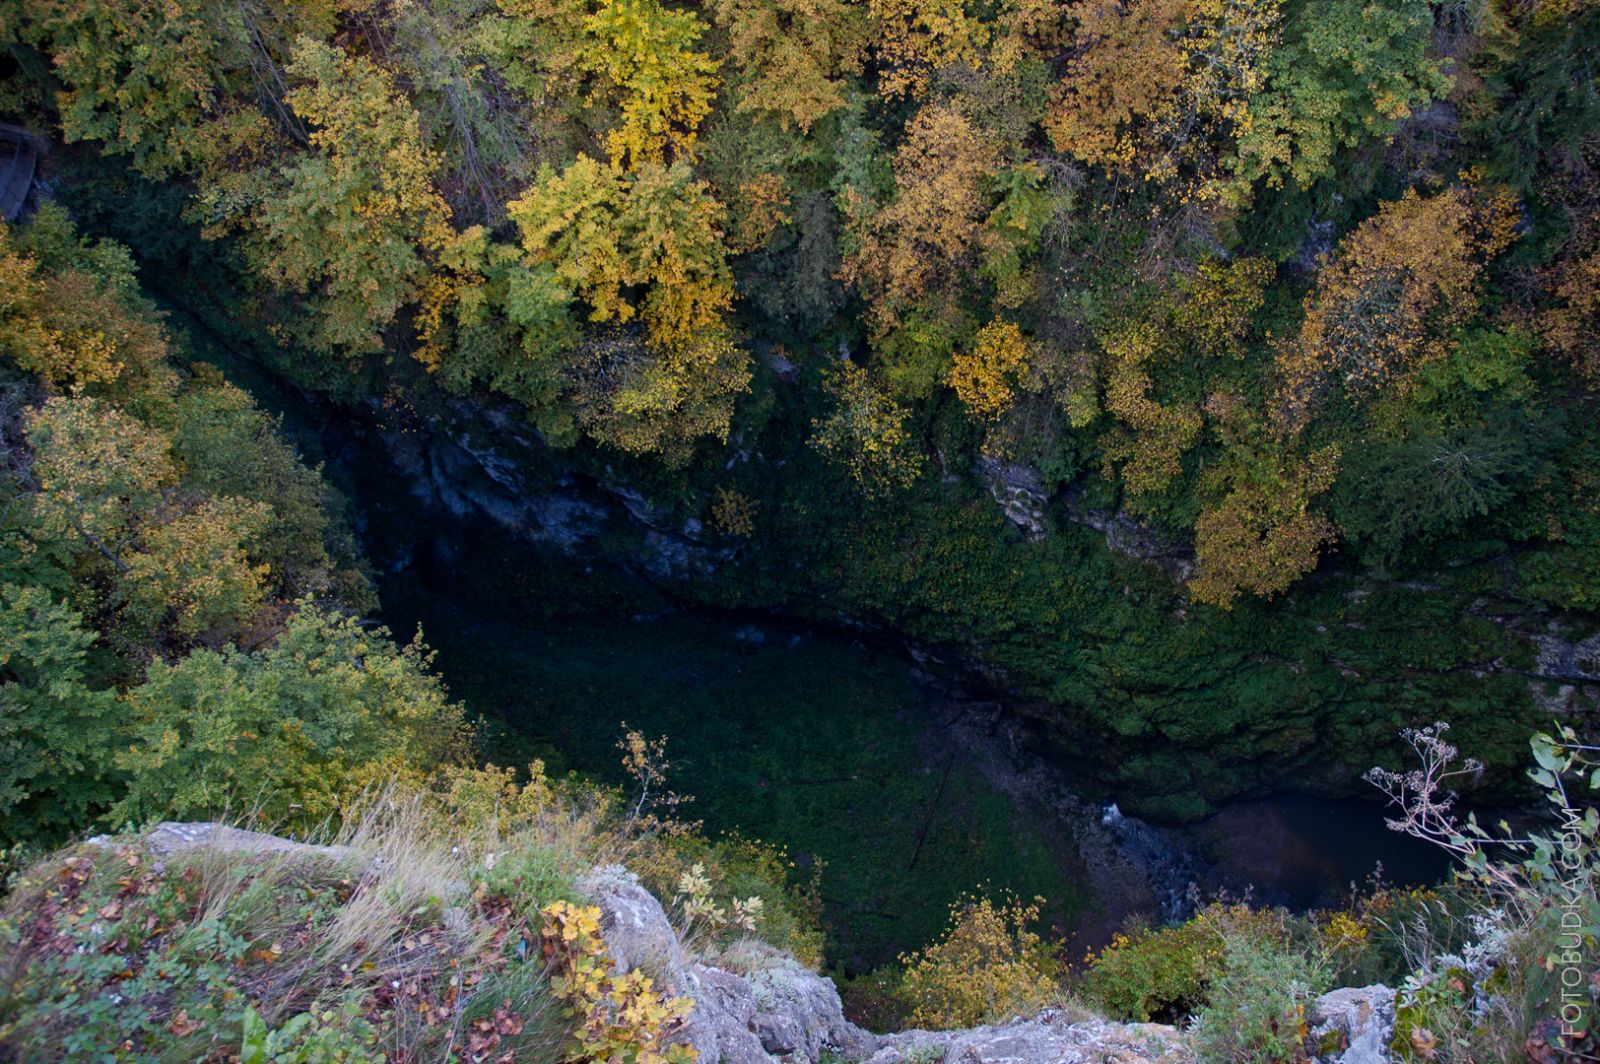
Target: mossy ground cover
x=822 y=746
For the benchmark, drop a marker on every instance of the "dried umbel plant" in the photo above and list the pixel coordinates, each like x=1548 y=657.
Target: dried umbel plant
x=1422 y=794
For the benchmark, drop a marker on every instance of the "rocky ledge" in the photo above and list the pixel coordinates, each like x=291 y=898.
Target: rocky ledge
x=758 y=1005
x=773 y=1010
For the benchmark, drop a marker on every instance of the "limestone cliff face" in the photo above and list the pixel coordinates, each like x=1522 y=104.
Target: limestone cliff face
x=1287 y=707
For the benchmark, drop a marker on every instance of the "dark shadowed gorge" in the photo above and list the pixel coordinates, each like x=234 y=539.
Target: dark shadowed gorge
x=806 y=531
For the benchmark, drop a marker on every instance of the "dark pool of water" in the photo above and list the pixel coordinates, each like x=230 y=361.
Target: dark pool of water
x=1306 y=852
x=804 y=739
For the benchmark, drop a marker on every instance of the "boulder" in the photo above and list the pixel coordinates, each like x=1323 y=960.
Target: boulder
x=777 y=1010
x=1020 y=492
x=1054 y=1036
x=1352 y=1025
x=170 y=837
x=636 y=929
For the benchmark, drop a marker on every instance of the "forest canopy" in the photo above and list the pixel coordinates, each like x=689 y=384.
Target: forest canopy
x=1219 y=255
x=1218 y=380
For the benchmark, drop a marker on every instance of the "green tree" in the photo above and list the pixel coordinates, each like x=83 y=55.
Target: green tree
x=141 y=77
x=1259 y=533
x=57 y=733
x=289 y=730
x=97 y=474
x=353 y=224
x=227 y=447
x=1154 y=358
x=1397 y=497
x=1345 y=72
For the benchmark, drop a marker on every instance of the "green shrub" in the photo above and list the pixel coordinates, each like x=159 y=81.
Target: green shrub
x=1151 y=973
x=1256 y=1011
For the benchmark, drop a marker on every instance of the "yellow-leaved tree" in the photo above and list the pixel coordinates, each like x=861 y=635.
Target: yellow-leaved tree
x=914 y=38
x=641 y=247
x=663 y=87
x=1391 y=297
x=926 y=241
x=1261 y=534
x=1159 y=88
x=984 y=377
x=989 y=965
x=793 y=55
x=354 y=223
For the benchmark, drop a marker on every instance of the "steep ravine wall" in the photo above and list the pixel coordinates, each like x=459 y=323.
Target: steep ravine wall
x=475 y=462
x=1071 y=615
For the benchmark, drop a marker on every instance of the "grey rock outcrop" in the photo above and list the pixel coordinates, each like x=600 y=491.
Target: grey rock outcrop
x=1052 y=1037
x=1020 y=492
x=758 y=1005
x=755 y=1004
x=637 y=931
x=172 y=837
x=1130 y=537
x=776 y=1009
x=1562 y=656
x=1352 y=1025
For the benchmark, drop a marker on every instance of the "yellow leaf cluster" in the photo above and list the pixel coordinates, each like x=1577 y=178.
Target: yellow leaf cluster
x=1262 y=534
x=733 y=513
x=665 y=87
x=983 y=377
x=1149 y=455
x=866 y=432
x=620 y=1018
x=67 y=328
x=758 y=211
x=1153 y=84
x=608 y=233
x=1572 y=322
x=988 y=965
x=1208 y=318
x=927 y=236
x=197 y=567
x=915 y=38
x=796 y=54
x=1391 y=297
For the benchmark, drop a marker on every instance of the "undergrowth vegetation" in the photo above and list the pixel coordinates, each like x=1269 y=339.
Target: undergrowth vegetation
x=1497 y=962
x=441 y=921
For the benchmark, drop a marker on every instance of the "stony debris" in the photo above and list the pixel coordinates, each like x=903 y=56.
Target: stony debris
x=1352 y=1025
x=1054 y=1036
